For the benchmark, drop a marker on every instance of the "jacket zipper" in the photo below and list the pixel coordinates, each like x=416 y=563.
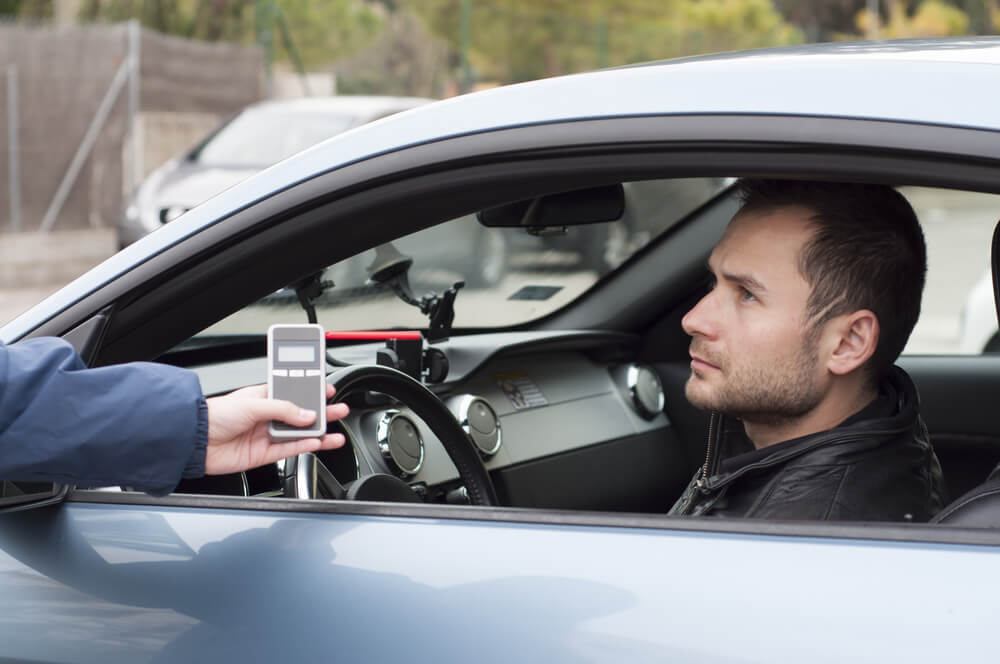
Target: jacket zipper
x=708 y=452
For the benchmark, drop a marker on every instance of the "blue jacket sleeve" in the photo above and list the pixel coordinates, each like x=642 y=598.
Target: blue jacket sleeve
x=141 y=425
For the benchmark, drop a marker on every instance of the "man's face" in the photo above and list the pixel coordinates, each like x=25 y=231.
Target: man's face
x=751 y=351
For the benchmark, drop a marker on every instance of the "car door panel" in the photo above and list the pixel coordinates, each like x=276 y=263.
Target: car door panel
x=169 y=583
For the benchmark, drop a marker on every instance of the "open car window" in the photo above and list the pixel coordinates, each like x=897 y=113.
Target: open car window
x=511 y=277
x=958 y=316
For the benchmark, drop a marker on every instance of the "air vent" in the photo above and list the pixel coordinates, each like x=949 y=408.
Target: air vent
x=399 y=443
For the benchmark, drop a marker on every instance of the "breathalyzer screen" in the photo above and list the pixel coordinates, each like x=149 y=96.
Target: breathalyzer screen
x=297 y=353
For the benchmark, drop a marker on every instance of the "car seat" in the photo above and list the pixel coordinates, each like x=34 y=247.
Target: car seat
x=980 y=507
x=977 y=508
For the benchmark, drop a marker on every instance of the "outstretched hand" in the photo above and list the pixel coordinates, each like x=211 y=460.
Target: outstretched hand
x=237 y=430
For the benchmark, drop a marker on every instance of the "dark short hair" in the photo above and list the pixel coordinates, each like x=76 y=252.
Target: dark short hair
x=867 y=252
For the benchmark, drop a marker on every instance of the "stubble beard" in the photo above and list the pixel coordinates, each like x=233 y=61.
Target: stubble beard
x=769 y=393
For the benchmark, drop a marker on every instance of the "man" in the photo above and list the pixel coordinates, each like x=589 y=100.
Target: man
x=816 y=289
x=141 y=425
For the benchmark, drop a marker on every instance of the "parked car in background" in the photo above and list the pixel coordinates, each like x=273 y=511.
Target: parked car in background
x=267 y=132
x=260 y=135
x=555 y=403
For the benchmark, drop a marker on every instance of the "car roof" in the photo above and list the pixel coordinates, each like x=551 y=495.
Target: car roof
x=949 y=82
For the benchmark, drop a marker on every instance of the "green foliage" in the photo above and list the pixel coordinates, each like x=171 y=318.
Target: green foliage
x=421 y=45
x=404 y=60
x=27 y=9
x=514 y=40
x=931 y=18
x=228 y=20
x=321 y=32
x=328 y=30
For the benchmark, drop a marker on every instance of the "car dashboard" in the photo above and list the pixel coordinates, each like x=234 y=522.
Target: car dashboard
x=561 y=420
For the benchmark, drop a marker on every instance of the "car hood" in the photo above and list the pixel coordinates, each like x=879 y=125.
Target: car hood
x=191 y=183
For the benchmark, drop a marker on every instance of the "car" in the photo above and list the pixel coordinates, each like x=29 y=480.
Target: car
x=555 y=433
x=263 y=134
x=258 y=136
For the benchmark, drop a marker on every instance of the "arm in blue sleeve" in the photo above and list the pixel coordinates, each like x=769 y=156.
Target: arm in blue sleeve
x=142 y=424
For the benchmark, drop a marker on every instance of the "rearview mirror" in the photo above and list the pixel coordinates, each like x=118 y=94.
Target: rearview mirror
x=570 y=208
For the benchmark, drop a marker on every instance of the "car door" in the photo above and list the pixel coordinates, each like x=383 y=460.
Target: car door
x=118 y=575
x=98 y=580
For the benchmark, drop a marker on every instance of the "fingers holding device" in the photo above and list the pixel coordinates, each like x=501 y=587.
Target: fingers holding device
x=296 y=362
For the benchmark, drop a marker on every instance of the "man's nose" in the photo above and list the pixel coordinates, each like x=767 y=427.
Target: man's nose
x=699 y=321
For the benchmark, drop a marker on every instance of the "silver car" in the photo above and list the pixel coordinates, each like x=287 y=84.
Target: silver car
x=566 y=383
x=260 y=135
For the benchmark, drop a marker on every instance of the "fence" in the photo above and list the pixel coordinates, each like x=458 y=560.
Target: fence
x=75 y=101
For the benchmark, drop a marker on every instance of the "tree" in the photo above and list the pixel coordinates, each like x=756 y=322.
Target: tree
x=932 y=18
x=320 y=32
x=404 y=60
x=514 y=40
x=329 y=30
x=821 y=19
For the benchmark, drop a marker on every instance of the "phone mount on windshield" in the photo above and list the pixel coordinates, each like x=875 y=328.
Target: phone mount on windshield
x=390 y=268
x=308 y=291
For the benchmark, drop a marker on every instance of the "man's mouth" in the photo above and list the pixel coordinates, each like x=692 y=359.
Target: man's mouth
x=700 y=363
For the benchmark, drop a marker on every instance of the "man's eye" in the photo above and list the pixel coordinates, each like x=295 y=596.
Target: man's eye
x=746 y=295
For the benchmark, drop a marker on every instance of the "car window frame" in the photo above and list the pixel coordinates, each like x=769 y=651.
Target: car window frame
x=652 y=146
x=630 y=157
x=662 y=145
x=831 y=531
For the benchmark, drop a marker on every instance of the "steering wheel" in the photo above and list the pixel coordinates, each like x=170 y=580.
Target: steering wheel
x=307 y=477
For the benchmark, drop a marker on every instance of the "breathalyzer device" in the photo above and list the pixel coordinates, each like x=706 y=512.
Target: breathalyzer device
x=296 y=359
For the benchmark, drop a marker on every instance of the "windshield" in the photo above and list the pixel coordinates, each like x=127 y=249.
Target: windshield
x=259 y=137
x=511 y=277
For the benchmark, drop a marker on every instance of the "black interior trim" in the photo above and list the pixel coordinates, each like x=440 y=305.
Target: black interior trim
x=15 y=500
x=640 y=473
x=86 y=337
x=995 y=267
x=690 y=423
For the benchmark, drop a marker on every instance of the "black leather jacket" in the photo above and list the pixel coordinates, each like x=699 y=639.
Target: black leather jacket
x=876 y=466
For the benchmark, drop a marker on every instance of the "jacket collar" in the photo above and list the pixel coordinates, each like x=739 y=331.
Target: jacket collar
x=895 y=410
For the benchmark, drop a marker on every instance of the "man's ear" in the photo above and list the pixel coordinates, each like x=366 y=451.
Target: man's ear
x=853 y=339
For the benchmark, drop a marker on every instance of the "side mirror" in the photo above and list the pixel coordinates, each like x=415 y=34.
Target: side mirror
x=16 y=496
